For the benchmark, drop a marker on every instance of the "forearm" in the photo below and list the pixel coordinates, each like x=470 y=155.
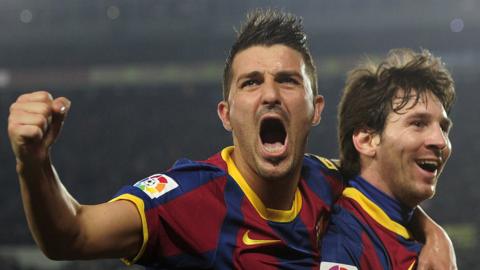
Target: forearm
x=420 y=223
x=424 y=227
x=50 y=210
x=63 y=228
x=438 y=251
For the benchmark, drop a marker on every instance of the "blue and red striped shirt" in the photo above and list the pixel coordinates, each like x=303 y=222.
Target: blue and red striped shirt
x=203 y=214
x=368 y=230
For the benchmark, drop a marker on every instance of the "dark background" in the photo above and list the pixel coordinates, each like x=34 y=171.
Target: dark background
x=144 y=78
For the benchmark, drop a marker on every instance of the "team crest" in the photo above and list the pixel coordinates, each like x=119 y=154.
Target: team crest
x=156 y=185
x=336 y=266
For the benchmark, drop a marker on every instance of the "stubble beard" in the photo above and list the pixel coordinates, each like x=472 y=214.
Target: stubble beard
x=278 y=170
x=413 y=193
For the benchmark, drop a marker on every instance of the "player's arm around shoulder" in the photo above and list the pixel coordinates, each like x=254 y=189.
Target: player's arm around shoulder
x=63 y=228
x=438 y=252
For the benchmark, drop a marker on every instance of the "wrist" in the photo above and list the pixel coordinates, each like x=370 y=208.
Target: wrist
x=27 y=168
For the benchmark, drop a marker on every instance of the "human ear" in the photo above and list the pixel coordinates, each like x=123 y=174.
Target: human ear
x=318 y=105
x=223 y=112
x=366 y=142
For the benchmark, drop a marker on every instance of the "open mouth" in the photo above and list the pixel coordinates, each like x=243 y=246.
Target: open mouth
x=273 y=134
x=429 y=165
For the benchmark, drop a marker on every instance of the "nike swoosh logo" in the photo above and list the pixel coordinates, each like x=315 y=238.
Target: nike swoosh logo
x=249 y=241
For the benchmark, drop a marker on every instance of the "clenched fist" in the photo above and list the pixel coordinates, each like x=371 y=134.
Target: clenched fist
x=34 y=123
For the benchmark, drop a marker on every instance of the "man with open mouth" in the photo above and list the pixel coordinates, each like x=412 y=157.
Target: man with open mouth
x=260 y=204
x=393 y=132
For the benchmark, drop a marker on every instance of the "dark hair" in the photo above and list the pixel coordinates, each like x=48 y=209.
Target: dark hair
x=268 y=28
x=368 y=95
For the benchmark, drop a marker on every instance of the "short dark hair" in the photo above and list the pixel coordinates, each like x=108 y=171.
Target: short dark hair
x=270 y=27
x=368 y=95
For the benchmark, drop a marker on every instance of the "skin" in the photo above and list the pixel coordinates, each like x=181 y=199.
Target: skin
x=270 y=83
x=55 y=218
x=390 y=160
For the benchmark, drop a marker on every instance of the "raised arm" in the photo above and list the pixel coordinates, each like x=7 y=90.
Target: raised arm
x=63 y=228
x=438 y=252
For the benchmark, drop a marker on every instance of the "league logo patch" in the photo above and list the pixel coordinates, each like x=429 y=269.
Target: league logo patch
x=336 y=266
x=156 y=185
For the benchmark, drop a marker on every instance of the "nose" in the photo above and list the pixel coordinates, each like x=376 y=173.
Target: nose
x=438 y=139
x=271 y=93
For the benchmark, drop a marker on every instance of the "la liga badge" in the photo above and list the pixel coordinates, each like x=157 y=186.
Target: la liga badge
x=156 y=185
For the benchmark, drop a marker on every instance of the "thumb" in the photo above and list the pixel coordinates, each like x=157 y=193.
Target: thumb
x=60 y=108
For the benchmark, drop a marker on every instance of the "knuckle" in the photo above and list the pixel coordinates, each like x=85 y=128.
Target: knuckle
x=11 y=129
x=44 y=95
x=44 y=123
x=37 y=132
x=36 y=120
x=11 y=119
x=45 y=109
x=22 y=97
x=13 y=107
x=41 y=122
x=37 y=96
x=33 y=132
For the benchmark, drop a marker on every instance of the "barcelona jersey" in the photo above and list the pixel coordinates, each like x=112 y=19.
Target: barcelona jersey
x=204 y=215
x=368 y=230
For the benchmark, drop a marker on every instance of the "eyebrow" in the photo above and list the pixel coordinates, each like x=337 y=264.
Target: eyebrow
x=280 y=74
x=444 y=121
x=252 y=74
x=289 y=73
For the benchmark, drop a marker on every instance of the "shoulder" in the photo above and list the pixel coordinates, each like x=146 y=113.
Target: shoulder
x=344 y=223
x=341 y=245
x=329 y=165
x=195 y=178
x=323 y=176
x=194 y=172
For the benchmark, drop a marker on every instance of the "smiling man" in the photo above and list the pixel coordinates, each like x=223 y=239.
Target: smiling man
x=393 y=132
x=260 y=204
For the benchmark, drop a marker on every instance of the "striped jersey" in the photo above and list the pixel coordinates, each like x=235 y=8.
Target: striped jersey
x=204 y=215
x=368 y=230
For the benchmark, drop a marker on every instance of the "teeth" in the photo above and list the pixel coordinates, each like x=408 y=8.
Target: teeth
x=429 y=162
x=273 y=147
x=429 y=165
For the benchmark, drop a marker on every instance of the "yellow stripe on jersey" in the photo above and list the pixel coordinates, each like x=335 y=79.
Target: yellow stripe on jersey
x=376 y=212
x=141 y=210
x=411 y=266
x=266 y=213
x=331 y=165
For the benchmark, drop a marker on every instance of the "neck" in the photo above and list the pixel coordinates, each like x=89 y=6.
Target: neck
x=395 y=209
x=373 y=177
x=274 y=192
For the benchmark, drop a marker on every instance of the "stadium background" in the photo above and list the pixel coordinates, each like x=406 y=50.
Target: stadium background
x=144 y=78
